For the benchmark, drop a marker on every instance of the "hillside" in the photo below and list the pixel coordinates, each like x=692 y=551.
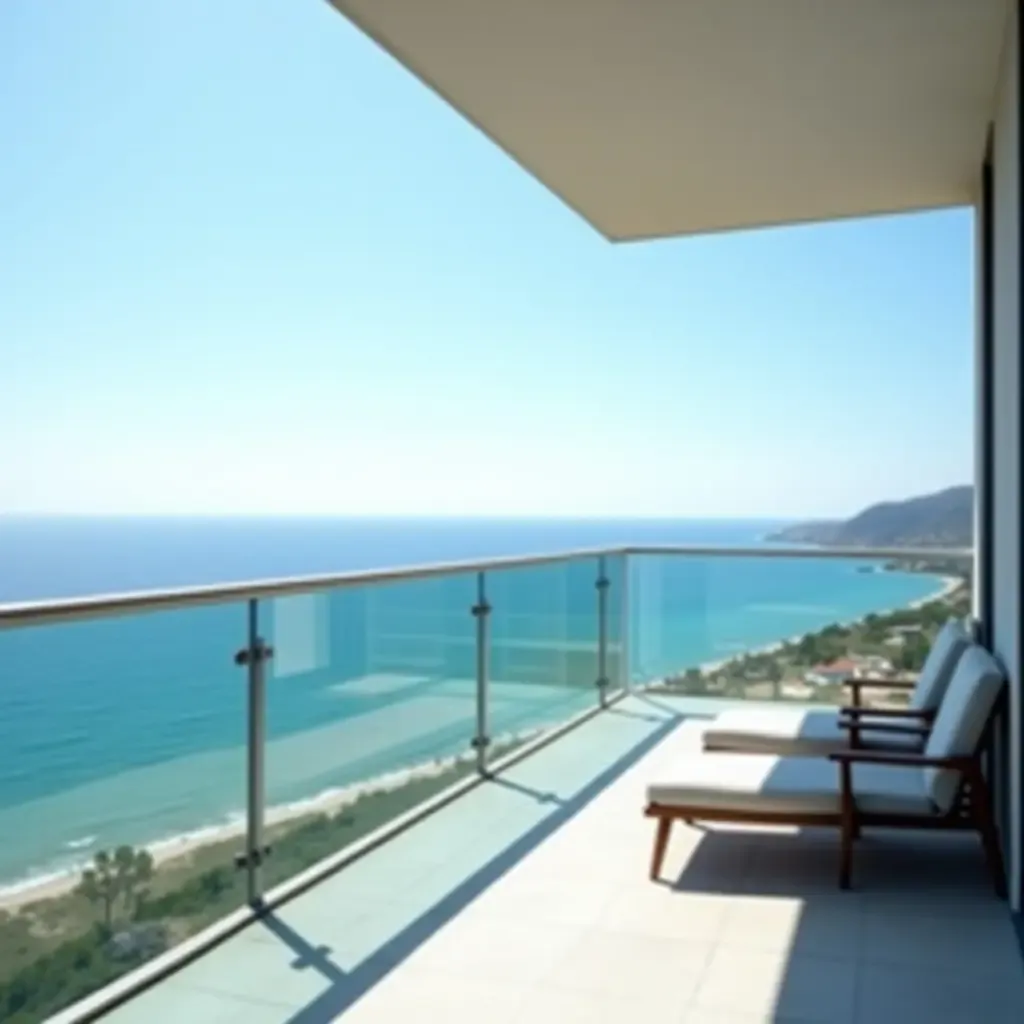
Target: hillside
x=943 y=519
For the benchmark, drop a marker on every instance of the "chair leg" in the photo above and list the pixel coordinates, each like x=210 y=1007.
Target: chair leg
x=660 y=846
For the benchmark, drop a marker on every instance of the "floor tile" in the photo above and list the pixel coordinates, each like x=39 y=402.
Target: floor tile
x=171 y=1003
x=521 y=952
x=548 y=1005
x=702 y=1015
x=828 y=926
x=276 y=974
x=808 y=988
x=973 y=946
x=633 y=966
x=660 y=912
x=896 y=995
x=438 y=999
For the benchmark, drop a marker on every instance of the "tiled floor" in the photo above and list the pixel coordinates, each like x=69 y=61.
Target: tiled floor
x=527 y=902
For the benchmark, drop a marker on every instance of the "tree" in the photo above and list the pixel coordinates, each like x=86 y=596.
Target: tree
x=775 y=678
x=913 y=653
x=134 y=869
x=99 y=884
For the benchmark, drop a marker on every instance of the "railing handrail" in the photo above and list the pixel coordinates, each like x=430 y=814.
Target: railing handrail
x=33 y=613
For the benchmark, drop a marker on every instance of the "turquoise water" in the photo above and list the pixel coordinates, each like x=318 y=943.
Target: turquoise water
x=132 y=729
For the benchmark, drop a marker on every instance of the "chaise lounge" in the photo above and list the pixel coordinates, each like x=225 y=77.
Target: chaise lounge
x=799 y=731
x=941 y=787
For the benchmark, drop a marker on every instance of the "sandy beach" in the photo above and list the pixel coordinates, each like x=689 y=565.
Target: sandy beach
x=949 y=585
x=165 y=851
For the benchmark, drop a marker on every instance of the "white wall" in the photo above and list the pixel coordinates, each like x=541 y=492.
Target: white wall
x=1006 y=575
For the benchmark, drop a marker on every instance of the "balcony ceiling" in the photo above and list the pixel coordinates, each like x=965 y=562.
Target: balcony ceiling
x=671 y=117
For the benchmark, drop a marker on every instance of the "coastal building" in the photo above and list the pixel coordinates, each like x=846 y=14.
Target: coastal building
x=833 y=672
x=874 y=666
x=867 y=666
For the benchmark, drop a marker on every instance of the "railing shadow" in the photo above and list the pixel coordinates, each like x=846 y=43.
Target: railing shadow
x=347 y=987
x=667 y=709
x=517 y=787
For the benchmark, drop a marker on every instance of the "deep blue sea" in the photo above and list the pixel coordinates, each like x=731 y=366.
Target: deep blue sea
x=132 y=729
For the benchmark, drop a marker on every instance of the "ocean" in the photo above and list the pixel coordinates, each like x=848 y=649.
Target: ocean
x=132 y=729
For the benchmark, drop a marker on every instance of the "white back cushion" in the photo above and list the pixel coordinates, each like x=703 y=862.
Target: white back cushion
x=938 y=668
x=972 y=694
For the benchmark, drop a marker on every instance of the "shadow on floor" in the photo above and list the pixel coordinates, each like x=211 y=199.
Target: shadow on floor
x=638 y=716
x=806 y=862
x=517 y=787
x=349 y=986
x=921 y=936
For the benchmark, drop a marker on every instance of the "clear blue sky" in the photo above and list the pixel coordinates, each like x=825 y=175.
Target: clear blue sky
x=248 y=264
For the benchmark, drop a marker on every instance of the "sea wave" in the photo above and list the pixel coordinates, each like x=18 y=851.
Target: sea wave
x=80 y=844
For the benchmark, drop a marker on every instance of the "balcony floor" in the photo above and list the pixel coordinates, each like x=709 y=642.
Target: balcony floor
x=527 y=901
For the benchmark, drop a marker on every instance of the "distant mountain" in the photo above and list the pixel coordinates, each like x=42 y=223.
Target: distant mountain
x=935 y=520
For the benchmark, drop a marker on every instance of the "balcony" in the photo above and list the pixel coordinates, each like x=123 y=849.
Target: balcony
x=431 y=805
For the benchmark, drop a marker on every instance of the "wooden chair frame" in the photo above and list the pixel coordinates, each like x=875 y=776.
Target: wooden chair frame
x=971 y=810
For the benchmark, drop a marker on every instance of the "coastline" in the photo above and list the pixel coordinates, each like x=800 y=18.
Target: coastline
x=17 y=895
x=948 y=585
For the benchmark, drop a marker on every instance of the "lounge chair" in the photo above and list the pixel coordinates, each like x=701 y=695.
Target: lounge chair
x=942 y=787
x=780 y=730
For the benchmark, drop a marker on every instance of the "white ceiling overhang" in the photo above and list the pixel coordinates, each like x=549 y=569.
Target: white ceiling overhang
x=670 y=117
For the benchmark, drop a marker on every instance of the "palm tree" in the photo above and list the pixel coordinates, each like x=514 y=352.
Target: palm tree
x=134 y=869
x=100 y=884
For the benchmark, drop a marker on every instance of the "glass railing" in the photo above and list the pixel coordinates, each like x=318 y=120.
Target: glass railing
x=122 y=796
x=168 y=759
x=371 y=707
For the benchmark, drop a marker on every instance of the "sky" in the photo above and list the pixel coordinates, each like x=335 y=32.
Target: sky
x=250 y=265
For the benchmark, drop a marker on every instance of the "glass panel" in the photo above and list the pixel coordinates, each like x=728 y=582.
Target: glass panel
x=122 y=795
x=371 y=709
x=778 y=628
x=544 y=630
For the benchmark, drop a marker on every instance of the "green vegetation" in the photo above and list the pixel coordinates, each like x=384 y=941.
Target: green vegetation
x=892 y=645
x=126 y=910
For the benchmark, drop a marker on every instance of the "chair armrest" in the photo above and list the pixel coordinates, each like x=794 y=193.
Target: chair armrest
x=858 y=685
x=855 y=711
x=900 y=728
x=880 y=684
x=906 y=759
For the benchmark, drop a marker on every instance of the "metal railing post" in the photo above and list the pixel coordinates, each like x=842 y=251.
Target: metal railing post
x=481 y=612
x=254 y=657
x=624 y=670
x=602 y=586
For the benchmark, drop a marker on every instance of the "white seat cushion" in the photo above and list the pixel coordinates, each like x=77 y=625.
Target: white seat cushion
x=791 y=731
x=787 y=785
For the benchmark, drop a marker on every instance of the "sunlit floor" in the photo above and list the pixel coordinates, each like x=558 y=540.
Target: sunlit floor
x=527 y=901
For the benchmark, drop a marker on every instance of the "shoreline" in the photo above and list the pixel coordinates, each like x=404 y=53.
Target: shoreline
x=948 y=586
x=15 y=896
